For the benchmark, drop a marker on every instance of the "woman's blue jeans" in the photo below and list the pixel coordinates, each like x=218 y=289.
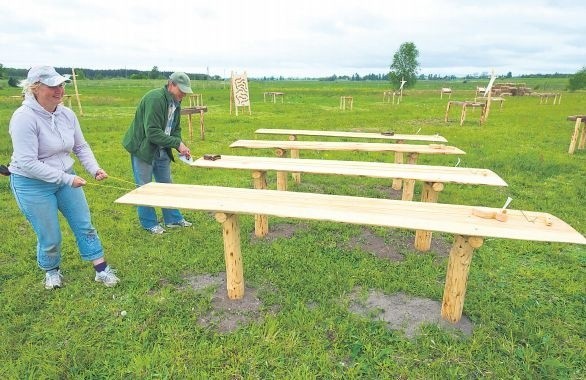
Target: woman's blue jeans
x=143 y=173
x=40 y=202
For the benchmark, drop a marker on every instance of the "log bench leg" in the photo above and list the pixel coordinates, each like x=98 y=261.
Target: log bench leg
x=463 y=115
x=282 y=181
x=296 y=176
x=457 y=276
x=202 y=131
x=576 y=136
x=232 y=254
x=261 y=222
x=398 y=183
x=430 y=194
x=447 y=111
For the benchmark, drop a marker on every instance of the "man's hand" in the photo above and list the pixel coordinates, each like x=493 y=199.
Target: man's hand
x=184 y=150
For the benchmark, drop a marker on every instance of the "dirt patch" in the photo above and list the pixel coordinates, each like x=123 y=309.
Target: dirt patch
x=403 y=312
x=280 y=230
x=225 y=315
x=395 y=244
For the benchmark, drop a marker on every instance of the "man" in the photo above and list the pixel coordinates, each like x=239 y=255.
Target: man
x=152 y=134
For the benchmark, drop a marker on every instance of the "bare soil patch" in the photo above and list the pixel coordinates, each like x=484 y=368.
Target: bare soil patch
x=399 y=311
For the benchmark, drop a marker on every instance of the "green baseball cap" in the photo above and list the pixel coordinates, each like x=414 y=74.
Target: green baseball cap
x=182 y=81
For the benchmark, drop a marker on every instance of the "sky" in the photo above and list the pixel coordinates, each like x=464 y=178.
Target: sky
x=302 y=38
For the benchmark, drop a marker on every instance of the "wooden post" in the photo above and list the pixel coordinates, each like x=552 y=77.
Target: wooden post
x=457 y=276
x=282 y=181
x=296 y=176
x=261 y=222
x=201 y=126
x=397 y=182
x=76 y=92
x=447 y=110
x=576 y=136
x=430 y=194
x=232 y=254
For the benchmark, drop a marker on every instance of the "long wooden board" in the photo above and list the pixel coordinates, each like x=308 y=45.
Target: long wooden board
x=455 y=219
x=428 y=173
x=348 y=146
x=362 y=135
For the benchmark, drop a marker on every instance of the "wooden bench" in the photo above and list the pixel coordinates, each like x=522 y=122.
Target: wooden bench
x=469 y=230
x=398 y=138
x=446 y=90
x=579 y=134
x=464 y=107
x=433 y=177
x=273 y=95
x=544 y=97
x=346 y=100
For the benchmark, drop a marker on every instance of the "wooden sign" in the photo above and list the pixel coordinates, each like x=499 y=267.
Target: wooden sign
x=239 y=95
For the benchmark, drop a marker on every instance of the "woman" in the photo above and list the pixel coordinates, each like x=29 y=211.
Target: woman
x=44 y=134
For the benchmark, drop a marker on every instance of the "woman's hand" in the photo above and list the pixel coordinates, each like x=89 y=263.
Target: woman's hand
x=101 y=174
x=78 y=182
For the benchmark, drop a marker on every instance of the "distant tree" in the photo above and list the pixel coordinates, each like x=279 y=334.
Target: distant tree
x=1 y=70
x=79 y=74
x=509 y=74
x=578 y=80
x=13 y=82
x=405 y=65
x=154 y=73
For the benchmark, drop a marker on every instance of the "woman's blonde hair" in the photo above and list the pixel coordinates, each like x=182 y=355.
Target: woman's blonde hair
x=27 y=87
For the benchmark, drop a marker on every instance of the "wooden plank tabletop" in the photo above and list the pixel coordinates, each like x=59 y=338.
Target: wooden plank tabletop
x=428 y=173
x=365 y=135
x=455 y=219
x=348 y=146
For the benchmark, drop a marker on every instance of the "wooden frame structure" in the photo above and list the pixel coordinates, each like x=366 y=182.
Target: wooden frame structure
x=346 y=100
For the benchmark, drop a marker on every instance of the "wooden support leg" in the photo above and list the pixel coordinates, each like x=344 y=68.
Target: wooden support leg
x=447 y=111
x=202 y=131
x=296 y=176
x=261 y=222
x=582 y=138
x=463 y=115
x=457 y=276
x=398 y=183
x=190 y=128
x=232 y=255
x=282 y=181
x=575 y=136
x=430 y=194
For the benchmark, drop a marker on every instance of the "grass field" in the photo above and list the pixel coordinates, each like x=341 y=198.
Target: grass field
x=526 y=300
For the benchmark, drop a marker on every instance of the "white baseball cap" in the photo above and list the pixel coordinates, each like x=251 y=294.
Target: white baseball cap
x=46 y=75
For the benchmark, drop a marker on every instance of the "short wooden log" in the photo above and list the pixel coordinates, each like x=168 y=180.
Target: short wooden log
x=457 y=276
x=261 y=222
x=232 y=254
x=430 y=193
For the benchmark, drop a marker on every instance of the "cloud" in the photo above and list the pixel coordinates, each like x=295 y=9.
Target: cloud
x=302 y=38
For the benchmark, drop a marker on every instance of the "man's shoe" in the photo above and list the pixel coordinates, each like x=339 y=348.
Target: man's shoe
x=156 y=230
x=53 y=279
x=107 y=277
x=181 y=223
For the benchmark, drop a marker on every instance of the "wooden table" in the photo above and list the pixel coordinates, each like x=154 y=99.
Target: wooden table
x=544 y=97
x=579 y=134
x=391 y=136
x=469 y=230
x=190 y=111
x=273 y=95
x=464 y=106
x=433 y=177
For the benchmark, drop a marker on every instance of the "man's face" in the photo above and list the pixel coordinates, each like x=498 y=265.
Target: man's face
x=178 y=95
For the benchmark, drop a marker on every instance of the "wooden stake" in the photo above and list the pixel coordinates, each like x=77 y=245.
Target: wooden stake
x=430 y=194
x=76 y=92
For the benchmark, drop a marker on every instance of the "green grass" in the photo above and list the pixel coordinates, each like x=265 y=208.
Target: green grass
x=527 y=300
